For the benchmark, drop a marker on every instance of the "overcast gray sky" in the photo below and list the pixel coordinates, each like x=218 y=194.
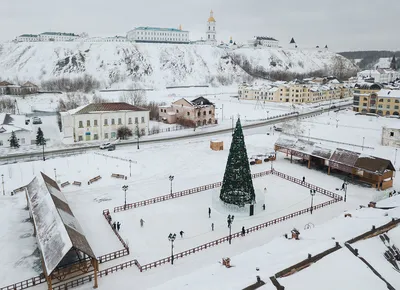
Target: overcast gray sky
x=342 y=24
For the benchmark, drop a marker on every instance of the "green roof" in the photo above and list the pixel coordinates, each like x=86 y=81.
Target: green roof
x=59 y=33
x=159 y=29
x=28 y=35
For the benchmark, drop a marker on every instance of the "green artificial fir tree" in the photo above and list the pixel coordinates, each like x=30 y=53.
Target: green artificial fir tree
x=40 y=138
x=237 y=186
x=14 y=141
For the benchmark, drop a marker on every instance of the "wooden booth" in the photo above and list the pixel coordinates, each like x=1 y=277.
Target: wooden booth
x=65 y=253
x=373 y=171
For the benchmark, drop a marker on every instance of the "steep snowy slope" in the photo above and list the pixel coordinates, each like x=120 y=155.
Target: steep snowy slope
x=151 y=65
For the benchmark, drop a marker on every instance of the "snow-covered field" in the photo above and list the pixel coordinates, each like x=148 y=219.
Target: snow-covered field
x=193 y=163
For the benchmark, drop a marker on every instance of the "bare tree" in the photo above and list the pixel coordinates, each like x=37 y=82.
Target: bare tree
x=136 y=97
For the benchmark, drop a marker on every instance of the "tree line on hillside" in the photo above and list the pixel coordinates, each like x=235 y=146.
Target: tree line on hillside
x=370 y=58
x=339 y=69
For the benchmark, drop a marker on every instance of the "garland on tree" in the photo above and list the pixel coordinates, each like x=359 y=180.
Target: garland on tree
x=237 y=186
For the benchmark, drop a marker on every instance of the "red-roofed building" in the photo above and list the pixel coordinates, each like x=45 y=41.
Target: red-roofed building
x=101 y=121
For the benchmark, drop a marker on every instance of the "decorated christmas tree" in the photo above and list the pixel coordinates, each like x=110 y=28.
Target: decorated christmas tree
x=237 y=186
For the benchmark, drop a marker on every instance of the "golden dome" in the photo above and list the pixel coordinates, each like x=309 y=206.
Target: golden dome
x=211 y=18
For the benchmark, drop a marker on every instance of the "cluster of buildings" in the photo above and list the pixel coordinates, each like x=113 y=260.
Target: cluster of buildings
x=296 y=92
x=139 y=34
x=146 y=34
x=379 y=75
x=7 y=88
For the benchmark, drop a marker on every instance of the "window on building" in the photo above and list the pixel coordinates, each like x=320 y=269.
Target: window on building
x=198 y=114
x=364 y=104
x=80 y=138
x=391 y=134
x=22 y=140
x=380 y=100
x=105 y=122
x=130 y=121
x=142 y=120
x=396 y=101
x=204 y=113
x=136 y=120
x=112 y=121
x=387 y=106
x=95 y=137
x=396 y=107
x=387 y=100
x=177 y=111
x=209 y=112
x=1 y=142
x=119 y=121
x=80 y=124
x=88 y=123
x=188 y=113
x=95 y=123
x=105 y=135
x=113 y=134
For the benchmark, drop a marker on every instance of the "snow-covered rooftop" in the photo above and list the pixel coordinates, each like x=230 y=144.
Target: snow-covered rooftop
x=57 y=230
x=9 y=123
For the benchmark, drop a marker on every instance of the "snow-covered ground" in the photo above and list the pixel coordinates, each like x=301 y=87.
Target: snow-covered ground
x=228 y=108
x=192 y=163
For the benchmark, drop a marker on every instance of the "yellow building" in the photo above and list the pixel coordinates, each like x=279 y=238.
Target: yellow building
x=294 y=92
x=364 y=99
x=383 y=102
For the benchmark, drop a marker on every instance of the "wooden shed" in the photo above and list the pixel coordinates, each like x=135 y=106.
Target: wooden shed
x=217 y=145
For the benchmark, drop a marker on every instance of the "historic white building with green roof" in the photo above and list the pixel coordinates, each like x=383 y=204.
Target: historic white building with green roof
x=48 y=36
x=158 y=35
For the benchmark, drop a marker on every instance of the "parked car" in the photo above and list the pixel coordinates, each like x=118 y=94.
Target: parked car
x=36 y=120
x=111 y=147
x=278 y=129
x=105 y=145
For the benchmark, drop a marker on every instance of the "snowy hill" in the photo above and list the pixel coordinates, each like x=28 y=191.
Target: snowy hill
x=152 y=65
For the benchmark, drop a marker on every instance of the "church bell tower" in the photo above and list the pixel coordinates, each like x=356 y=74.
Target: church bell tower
x=211 y=33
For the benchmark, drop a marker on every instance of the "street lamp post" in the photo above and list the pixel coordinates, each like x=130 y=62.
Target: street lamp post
x=44 y=158
x=337 y=123
x=395 y=157
x=230 y=221
x=2 y=183
x=312 y=193
x=172 y=238
x=171 y=178
x=125 y=188
x=345 y=190
x=267 y=114
x=362 y=148
x=55 y=174
x=138 y=135
x=130 y=168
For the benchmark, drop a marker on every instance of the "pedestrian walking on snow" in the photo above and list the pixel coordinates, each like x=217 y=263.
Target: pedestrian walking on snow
x=118 y=225
x=181 y=233
x=209 y=212
x=264 y=206
x=114 y=225
x=304 y=179
x=243 y=231
x=212 y=226
x=141 y=223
